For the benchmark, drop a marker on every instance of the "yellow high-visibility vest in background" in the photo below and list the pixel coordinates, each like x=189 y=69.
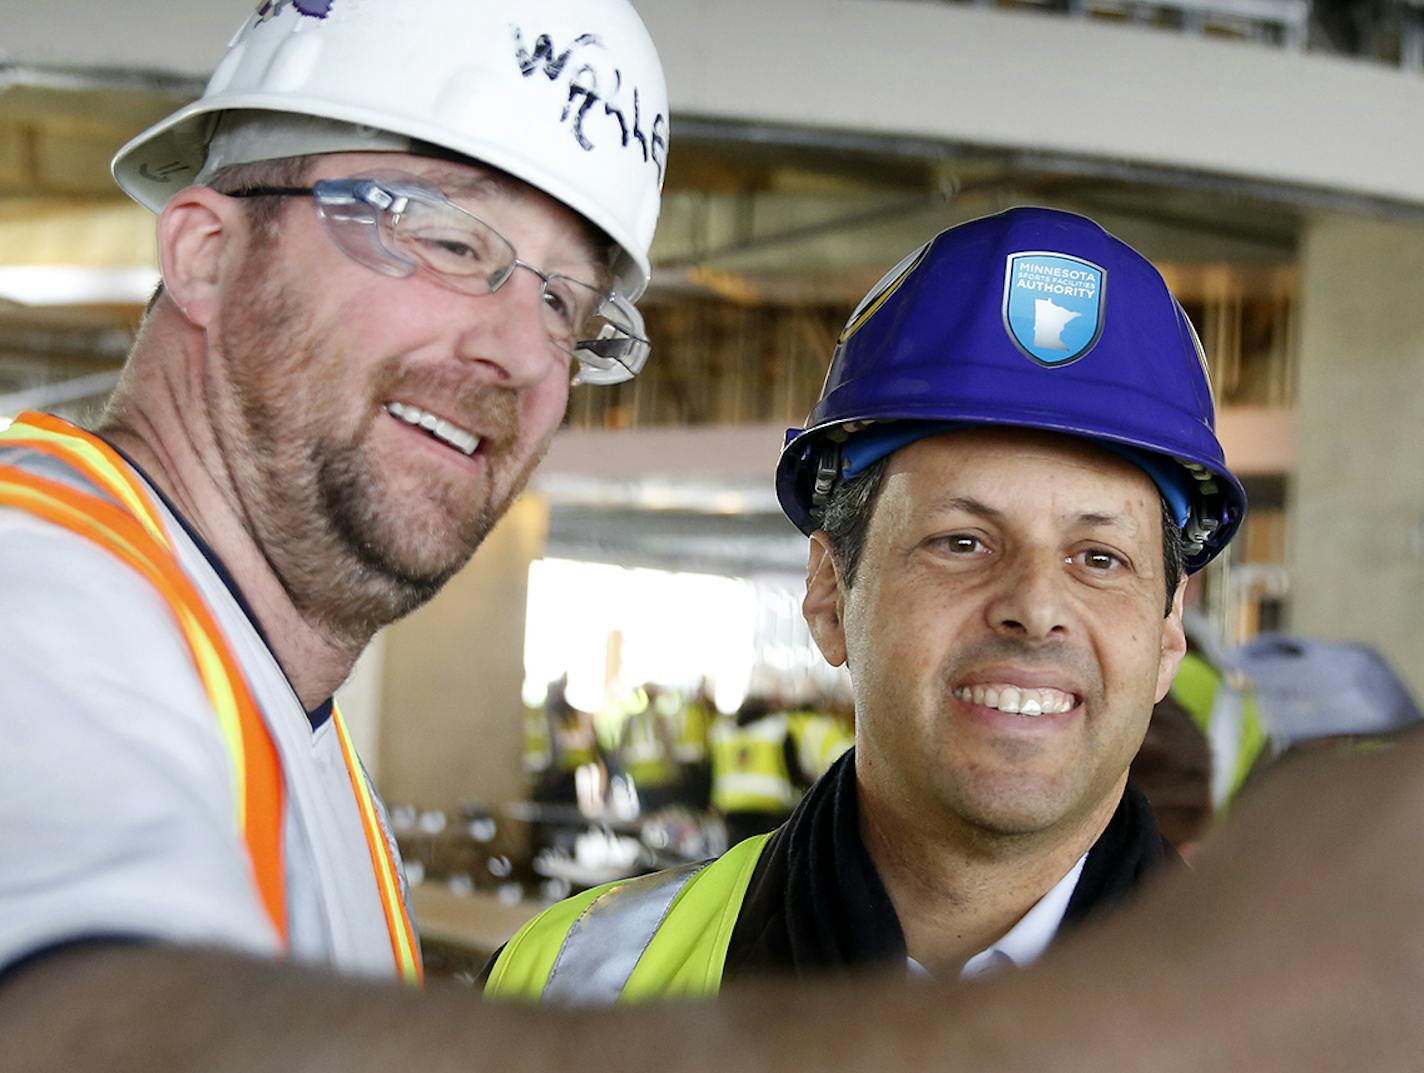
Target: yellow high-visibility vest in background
x=749 y=772
x=1228 y=715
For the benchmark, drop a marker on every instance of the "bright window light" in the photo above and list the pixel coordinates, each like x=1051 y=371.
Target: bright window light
x=612 y=628
x=49 y=285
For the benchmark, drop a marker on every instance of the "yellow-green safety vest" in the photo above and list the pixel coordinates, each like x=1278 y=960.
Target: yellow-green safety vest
x=1228 y=715
x=645 y=751
x=693 y=723
x=657 y=936
x=749 y=772
x=538 y=746
x=820 y=740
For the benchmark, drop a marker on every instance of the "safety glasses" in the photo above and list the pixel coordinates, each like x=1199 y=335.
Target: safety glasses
x=397 y=225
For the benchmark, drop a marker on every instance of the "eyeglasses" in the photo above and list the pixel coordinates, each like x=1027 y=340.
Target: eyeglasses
x=398 y=226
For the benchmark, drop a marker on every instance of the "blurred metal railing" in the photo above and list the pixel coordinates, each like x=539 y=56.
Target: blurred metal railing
x=1391 y=31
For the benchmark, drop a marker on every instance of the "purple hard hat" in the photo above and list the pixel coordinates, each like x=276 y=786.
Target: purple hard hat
x=1033 y=318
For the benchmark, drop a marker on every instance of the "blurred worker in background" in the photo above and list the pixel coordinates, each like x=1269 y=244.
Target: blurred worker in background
x=1010 y=471
x=821 y=736
x=537 y=750
x=756 y=774
x=645 y=747
x=1313 y=691
x=1173 y=769
x=347 y=376
x=1221 y=701
x=691 y=744
x=572 y=762
x=572 y=744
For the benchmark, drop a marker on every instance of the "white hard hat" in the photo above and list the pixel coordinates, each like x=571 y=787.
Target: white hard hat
x=567 y=95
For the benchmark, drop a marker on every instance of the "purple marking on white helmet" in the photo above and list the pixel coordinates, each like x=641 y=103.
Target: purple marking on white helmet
x=313 y=9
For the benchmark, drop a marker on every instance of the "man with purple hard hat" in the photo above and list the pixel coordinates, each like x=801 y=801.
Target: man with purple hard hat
x=1010 y=472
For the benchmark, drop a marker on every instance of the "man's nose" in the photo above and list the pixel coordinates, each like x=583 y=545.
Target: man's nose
x=505 y=337
x=1031 y=602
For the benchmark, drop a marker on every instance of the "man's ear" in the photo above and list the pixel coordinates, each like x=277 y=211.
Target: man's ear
x=824 y=603
x=198 y=234
x=1174 y=642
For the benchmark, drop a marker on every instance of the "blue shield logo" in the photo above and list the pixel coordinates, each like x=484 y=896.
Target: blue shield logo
x=1053 y=305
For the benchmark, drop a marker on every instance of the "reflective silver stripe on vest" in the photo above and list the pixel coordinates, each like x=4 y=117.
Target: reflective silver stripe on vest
x=603 y=946
x=1225 y=732
x=38 y=464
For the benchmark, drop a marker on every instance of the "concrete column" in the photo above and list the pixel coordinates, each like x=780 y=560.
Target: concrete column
x=1357 y=530
x=451 y=726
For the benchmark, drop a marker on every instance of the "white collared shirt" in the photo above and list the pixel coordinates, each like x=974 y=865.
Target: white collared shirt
x=1025 y=942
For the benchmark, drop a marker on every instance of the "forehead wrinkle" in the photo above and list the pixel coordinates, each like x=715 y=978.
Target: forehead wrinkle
x=966 y=504
x=1095 y=519
x=1105 y=520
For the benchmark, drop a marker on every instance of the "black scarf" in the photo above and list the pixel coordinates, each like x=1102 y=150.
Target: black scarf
x=816 y=904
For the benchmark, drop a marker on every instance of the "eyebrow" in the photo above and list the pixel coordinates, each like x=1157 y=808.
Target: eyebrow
x=456 y=173
x=456 y=180
x=459 y=181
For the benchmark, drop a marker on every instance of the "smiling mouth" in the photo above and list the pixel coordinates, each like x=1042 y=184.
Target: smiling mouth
x=1018 y=700
x=451 y=435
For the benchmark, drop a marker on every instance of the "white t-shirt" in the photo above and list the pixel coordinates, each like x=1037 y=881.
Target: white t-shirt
x=116 y=791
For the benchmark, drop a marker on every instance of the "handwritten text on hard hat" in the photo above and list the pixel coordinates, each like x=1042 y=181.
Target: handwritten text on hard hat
x=587 y=87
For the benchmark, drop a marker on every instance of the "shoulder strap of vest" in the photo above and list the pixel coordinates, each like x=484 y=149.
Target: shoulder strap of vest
x=658 y=936
x=89 y=457
x=95 y=499
x=383 y=851
x=602 y=948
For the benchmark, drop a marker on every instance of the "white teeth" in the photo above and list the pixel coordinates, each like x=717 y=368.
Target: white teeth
x=1017 y=700
x=443 y=430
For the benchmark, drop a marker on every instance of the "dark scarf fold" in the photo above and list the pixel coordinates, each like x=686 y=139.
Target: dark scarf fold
x=816 y=904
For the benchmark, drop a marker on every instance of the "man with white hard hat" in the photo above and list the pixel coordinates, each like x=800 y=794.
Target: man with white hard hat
x=414 y=217
x=391 y=234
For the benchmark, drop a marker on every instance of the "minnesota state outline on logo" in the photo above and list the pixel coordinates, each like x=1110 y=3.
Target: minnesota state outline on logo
x=1053 y=305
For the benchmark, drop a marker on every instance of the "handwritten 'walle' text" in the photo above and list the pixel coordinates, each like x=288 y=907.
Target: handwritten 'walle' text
x=586 y=90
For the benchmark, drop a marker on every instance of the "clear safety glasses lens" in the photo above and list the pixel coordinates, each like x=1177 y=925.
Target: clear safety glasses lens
x=353 y=212
x=399 y=226
x=612 y=345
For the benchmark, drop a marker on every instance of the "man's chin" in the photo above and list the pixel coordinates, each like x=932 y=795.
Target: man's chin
x=1013 y=811
x=418 y=559
x=392 y=569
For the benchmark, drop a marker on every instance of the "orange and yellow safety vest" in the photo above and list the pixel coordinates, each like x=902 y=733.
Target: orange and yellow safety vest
x=57 y=472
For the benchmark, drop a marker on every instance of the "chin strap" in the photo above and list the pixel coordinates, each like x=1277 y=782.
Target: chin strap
x=828 y=475
x=1199 y=529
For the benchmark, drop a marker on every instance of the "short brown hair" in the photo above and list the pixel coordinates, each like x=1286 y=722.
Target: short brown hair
x=262 y=212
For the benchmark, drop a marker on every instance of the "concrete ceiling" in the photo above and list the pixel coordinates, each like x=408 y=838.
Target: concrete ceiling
x=752 y=214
